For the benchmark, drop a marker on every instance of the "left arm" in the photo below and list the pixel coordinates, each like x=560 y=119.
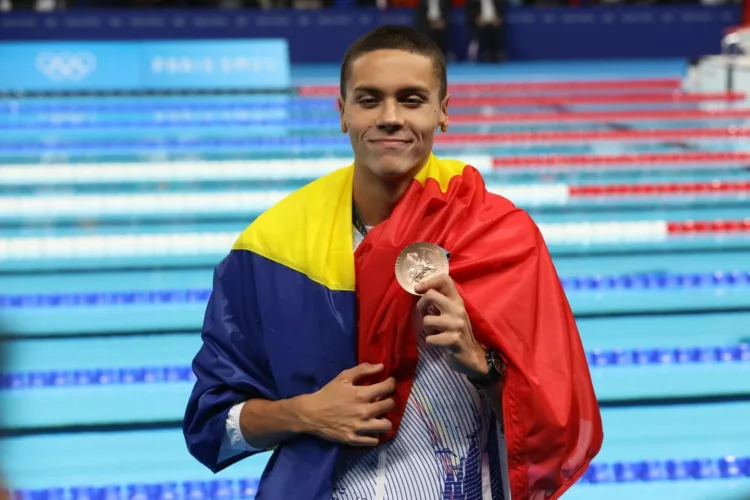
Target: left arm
x=447 y=325
x=493 y=394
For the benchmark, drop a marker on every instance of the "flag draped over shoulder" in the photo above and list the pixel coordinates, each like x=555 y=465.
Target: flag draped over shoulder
x=514 y=298
x=287 y=315
x=280 y=322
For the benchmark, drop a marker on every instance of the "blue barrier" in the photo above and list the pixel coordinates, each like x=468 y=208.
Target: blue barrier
x=531 y=33
x=155 y=65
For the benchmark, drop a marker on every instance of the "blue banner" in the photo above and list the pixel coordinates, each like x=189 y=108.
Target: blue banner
x=204 y=64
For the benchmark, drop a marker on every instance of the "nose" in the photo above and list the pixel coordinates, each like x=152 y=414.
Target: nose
x=390 y=119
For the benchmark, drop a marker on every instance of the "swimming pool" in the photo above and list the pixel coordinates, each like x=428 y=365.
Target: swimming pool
x=113 y=212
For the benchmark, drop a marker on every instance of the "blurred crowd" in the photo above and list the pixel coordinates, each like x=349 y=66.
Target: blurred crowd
x=250 y=4
x=484 y=18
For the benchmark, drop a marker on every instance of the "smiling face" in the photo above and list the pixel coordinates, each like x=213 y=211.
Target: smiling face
x=391 y=111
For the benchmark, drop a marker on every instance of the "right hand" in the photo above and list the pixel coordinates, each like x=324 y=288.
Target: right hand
x=344 y=412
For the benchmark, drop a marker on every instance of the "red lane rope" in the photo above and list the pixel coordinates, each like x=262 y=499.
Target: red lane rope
x=659 y=189
x=602 y=116
x=656 y=83
x=659 y=97
x=717 y=226
x=624 y=159
x=597 y=135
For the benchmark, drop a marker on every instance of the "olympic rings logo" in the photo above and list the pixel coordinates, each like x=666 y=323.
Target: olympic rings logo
x=66 y=66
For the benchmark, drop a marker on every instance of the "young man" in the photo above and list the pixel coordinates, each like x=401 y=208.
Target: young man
x=475 y=386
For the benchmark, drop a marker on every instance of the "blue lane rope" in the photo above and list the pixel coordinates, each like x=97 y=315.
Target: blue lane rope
x=272 y=103
x=630 y=281
x=727 y=467
x=261 y=121
x=597 y=358
x=255 y=143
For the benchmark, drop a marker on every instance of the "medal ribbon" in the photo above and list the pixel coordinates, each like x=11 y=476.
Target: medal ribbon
x=358 y=221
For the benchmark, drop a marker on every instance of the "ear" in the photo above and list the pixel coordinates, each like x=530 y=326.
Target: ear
x=340 y=105
x=443 y=121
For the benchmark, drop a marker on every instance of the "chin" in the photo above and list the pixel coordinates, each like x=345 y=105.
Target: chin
x=395 y=167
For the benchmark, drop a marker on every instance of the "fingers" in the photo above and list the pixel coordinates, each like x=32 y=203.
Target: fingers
x=380 y=408
x=441 y=283
x=438 y=324
x=368 y=431
x=375 y=426
x=363 y=441
x=433 y=298
x=375 y=391
x=360 y=371
x=449 y=340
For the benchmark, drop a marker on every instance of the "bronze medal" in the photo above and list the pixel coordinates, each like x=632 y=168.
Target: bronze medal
x=420 y=262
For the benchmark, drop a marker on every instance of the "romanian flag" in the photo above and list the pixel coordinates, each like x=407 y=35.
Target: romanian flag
x=293 y=305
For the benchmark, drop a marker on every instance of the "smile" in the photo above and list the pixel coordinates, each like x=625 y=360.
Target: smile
x=392 y=143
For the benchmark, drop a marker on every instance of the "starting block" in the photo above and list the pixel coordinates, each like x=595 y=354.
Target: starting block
x=728 y=71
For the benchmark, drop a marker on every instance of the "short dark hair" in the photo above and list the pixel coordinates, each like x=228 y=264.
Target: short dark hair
x=395 y=38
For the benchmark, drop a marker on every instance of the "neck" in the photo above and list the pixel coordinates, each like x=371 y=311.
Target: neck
x=376 y=197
